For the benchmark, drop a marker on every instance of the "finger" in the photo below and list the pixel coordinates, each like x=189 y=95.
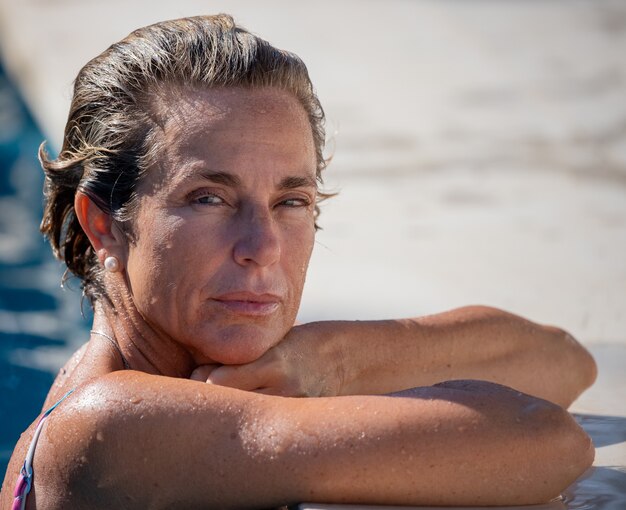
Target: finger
x=202 y=372
x=237 y=376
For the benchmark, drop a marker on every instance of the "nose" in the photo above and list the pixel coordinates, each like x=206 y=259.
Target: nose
x=258 y=241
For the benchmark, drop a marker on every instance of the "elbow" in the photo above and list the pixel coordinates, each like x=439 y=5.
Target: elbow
x=562 y=453
x=586 y=364
x=587 y=368
x=577 y=447
x=576 y=364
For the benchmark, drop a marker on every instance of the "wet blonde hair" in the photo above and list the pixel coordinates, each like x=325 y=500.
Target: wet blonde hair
x=110 y=137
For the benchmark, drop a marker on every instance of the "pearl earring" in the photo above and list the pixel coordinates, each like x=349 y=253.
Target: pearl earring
x=111 y=264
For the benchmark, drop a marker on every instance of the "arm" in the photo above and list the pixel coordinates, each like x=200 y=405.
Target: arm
x=376 y=357
x=155 y=442
x=476 y=343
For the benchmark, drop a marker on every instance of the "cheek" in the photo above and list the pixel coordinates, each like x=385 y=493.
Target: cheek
x=298 y=251
x=153 y=259
x=173 y=254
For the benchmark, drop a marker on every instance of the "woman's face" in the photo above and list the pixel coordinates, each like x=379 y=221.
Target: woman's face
x=225 y=224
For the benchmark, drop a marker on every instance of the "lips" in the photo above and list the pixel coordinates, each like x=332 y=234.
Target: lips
x=248 y=303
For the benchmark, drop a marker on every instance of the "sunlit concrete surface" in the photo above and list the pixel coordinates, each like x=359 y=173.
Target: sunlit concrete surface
x=479 y=151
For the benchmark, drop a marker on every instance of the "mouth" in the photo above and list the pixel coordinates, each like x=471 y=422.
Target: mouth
x=248 y=303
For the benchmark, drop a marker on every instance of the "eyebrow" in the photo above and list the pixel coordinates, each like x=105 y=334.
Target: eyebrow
x=231 y=180
x=297 y=182
x=222 y=178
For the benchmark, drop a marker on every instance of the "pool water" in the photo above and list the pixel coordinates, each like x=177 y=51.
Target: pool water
x=36 y=319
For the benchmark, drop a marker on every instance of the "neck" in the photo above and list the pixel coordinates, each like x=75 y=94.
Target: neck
x=145 y=349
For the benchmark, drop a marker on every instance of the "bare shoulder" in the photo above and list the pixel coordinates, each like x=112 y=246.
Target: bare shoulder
x=90 y=361
x=86 y=438
x=74 y=425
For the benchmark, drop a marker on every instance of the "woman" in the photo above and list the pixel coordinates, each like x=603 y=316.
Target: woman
x=185 y=199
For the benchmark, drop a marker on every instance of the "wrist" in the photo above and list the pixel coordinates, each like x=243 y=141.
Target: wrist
x=329 y=346
x=346 y=349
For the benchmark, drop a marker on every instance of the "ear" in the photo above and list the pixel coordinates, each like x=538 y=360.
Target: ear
x=104 y=235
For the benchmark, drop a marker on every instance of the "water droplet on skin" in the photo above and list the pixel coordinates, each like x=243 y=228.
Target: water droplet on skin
x=99 y=436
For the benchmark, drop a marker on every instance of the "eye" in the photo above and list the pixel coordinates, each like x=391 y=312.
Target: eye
x=209 y=200
x=295 y=202
x=204 y=197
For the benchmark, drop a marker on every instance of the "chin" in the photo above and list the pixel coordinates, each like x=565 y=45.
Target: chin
x=238 y=345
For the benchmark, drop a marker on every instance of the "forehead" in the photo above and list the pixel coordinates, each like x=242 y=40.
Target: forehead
x=231 y=128
x=226 y=99
x=182 y=111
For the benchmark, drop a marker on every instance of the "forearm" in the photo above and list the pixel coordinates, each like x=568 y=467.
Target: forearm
x=460 y=443
x=189 y=444
x=467 y=343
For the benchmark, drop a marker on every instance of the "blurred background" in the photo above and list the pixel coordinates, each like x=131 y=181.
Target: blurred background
x=479 y=151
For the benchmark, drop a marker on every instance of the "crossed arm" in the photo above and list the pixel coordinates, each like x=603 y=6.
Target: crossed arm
x=377 y=357
x=133 y=439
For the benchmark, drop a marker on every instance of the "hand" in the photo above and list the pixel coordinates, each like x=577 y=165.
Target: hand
x=306 y=363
